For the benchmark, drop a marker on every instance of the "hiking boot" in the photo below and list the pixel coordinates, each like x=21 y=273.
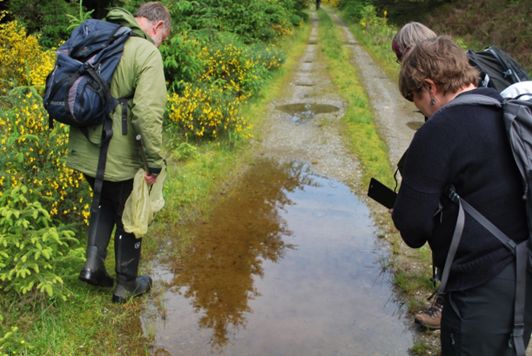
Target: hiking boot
x=430 y=318
x=100 y=229
x=127 y=254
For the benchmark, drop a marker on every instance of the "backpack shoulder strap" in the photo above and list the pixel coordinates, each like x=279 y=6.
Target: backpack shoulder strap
x=473 y=99
x=519 y=250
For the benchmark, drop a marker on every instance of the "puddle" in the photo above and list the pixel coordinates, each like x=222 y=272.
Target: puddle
x=414 y=125
x=288 y=264
x=306 y=111
x=305 y=84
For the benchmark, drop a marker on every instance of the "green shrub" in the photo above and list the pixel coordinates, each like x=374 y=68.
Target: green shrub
x=10 y=339
x=47 y=17
x=31 y=246
x=181 y=61
x=353 y=9
x=252 y=20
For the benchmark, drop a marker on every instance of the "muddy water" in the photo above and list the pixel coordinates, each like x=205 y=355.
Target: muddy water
x=288 y=264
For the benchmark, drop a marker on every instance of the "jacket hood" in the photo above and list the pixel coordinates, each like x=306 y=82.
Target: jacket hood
x=125 y=18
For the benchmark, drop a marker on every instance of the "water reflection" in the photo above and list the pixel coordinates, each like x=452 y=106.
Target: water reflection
x=288 y=264
x=245 y=229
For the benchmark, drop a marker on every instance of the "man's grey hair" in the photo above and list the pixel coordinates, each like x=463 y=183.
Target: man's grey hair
x=155 y=11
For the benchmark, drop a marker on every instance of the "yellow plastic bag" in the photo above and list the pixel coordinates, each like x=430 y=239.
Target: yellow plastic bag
x=143 y=203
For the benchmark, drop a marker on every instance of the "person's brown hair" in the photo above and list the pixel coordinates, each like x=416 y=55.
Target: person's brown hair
x=155 y=11
x=438 y=59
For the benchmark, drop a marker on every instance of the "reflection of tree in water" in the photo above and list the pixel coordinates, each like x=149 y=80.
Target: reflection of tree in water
x=245 y=229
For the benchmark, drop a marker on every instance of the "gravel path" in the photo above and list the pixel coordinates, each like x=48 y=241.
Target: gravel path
x=310 y=136
x=395 y=116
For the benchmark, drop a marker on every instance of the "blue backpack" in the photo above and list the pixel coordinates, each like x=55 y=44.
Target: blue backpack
x=77 y=90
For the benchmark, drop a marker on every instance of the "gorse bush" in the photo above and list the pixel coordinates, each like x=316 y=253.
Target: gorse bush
x=221 y=77
x=24 y=62
x=32 y=155
x=206 y=112
x=232 y=69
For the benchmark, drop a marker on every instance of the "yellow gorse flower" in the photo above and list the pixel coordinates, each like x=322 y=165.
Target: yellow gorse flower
x=32 y=154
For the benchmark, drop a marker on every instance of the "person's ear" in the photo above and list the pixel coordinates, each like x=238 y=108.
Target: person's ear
x=430 y=86
x=157 y=26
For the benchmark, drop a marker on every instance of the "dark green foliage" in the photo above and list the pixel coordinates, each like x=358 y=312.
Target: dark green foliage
x=49 y=17
x=252 y=20
x=181 y=60
x=353 y=9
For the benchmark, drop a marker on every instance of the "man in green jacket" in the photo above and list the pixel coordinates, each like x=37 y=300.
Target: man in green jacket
x=140 y=79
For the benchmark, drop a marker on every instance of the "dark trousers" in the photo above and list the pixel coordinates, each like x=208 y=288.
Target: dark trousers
x=113 y=200
x=479 y=321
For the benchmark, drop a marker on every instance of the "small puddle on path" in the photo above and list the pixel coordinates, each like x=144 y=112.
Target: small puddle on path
x=288 y=264
x=306 y=111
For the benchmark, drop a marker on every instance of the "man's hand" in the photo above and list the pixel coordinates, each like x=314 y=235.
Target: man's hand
x=150 y=178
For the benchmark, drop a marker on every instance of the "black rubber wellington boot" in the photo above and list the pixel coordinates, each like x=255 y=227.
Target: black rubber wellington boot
x=127 y=253
x=99 y=234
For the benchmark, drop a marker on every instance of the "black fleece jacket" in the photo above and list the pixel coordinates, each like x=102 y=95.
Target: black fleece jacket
x=465 y=146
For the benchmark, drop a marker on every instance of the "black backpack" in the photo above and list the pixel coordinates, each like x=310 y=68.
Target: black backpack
x=517 y=116
x=497 y=69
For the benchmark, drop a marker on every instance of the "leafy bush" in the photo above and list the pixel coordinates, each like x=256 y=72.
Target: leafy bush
x=252 y=20
x=377 y=26
x=31 y=246
x=353 y=9
x=10 y=339
x=47 y=17
x=181 y=61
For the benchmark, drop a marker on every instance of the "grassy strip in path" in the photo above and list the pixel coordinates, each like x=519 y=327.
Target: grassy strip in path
x=358 y=124
x=88 y=323
x=411 y=268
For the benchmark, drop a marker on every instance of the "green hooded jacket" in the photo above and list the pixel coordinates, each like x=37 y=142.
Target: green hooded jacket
x=139 y=77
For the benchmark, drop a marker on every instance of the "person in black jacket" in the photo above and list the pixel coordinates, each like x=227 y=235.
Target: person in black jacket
x=464 y=146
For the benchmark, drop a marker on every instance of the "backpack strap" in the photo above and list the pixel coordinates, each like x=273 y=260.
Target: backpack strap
x=473 y=99
x=519 y=250
x=123 y=102
x=107 y=134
